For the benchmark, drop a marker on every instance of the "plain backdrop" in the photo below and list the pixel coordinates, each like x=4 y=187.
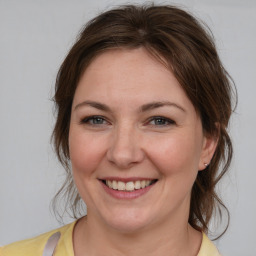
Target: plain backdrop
x=35 y=36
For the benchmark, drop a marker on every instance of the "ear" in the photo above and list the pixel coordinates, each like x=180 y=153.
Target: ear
x=210 y=143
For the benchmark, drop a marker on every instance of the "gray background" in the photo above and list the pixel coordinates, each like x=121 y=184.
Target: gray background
x=34 y=38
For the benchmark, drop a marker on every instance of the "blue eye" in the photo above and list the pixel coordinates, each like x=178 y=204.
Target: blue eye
x=94 y=120
x=161 y=121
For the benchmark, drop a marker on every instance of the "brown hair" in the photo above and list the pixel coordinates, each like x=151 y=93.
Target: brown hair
x=188 y=50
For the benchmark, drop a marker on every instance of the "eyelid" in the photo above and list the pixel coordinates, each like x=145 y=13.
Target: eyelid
x=170 y=121
x=86 y=120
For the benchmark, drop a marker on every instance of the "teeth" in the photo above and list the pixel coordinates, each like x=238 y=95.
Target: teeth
x=109 y=183
x=114 y=184
x=129 y=186
x=137 y=184
x=120 y=185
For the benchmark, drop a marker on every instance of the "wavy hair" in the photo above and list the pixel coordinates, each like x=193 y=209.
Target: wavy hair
x=188 y=50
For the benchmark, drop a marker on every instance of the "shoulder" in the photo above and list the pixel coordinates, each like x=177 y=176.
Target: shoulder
x=35 y=246
x=208 y=248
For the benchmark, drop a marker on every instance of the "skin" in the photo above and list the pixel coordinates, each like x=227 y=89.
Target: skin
x=126 y=142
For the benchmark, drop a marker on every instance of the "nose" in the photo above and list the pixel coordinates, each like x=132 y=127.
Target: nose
x=125 y=149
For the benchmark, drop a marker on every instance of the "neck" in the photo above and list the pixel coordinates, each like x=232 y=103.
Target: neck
x=176 y=239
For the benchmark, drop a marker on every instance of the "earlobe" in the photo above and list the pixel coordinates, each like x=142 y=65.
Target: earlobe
x=209 y=146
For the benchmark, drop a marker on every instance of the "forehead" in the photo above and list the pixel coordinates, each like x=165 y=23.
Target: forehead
x=127 y=60
x=124 y=74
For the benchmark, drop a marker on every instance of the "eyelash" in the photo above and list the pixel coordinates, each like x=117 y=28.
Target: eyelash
x=92 y=118
x=166 y=121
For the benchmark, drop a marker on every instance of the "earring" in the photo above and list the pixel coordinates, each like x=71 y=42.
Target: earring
x=205 y=164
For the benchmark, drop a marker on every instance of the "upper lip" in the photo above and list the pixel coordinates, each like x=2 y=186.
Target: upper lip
x=127 y=179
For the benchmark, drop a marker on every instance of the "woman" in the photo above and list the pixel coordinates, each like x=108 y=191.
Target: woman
x=143 y=104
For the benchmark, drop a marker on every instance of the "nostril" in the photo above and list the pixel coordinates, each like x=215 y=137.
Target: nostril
x=125 y=148
x=125 y=157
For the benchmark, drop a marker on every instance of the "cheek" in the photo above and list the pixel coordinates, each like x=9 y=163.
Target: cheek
x=175 y=154
x=85 y=152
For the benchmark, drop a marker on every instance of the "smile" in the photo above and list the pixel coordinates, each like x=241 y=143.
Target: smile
x=128 y=186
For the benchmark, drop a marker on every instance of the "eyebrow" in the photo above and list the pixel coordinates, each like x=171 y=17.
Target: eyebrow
x=143 y=108
x=93 y=104
x=159 y=104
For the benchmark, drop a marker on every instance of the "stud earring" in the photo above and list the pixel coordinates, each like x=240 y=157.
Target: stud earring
x=205 y=164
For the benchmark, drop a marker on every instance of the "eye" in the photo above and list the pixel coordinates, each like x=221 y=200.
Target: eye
x=94 y=120
x=160 y=121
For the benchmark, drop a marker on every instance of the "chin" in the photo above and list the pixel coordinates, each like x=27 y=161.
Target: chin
x=128 y=223
x=126 y=227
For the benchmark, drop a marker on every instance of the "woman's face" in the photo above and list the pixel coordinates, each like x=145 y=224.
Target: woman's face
x=136 y=142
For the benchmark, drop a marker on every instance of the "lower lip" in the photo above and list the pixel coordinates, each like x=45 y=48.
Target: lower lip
x=125 y=194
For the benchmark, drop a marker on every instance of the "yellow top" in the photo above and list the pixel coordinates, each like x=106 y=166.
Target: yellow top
x=35 y=246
